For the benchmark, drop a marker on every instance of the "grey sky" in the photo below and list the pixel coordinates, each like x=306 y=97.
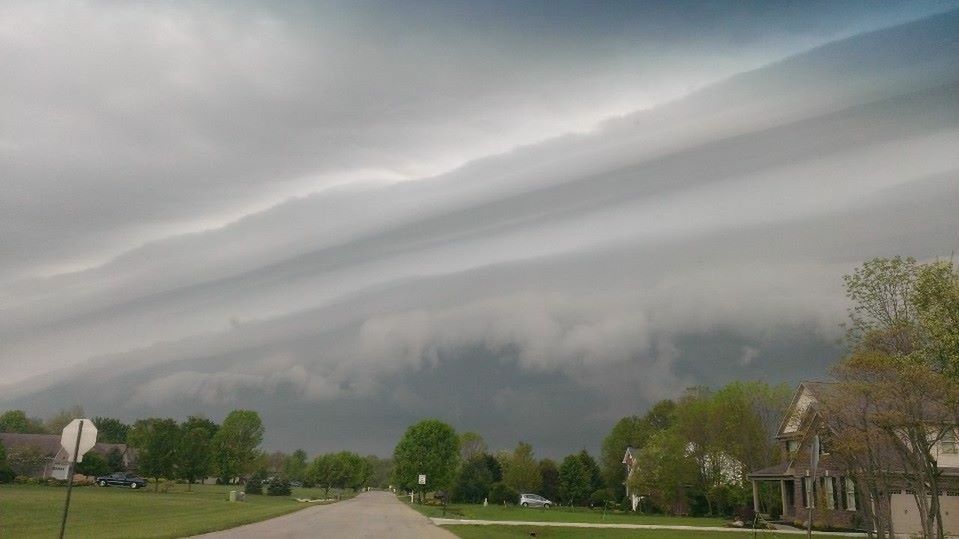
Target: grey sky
x=529 y=219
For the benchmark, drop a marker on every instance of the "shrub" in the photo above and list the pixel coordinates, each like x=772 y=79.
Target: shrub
x=6 y=475
x=254 y=485
x=601 y=497
x=279 y=487
x=500 y=492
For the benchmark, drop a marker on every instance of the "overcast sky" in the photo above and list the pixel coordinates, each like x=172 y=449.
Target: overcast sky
x=526 y=218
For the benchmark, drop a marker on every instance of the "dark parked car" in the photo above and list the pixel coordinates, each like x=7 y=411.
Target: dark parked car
x=121 y=479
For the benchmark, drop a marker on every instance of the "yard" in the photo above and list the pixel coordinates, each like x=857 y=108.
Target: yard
x=514 y=532
x=559 y=514
x=35 y=511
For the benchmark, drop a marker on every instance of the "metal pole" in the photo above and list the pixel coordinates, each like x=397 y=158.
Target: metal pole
x=70 y=467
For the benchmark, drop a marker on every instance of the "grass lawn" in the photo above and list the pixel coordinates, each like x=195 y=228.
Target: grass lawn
x=558 y=514
x=35 y=511
x=513 y=532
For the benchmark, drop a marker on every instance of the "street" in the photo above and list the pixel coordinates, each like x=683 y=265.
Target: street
x=370 y=514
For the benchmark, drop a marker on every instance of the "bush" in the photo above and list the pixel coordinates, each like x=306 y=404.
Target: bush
x=279 y=487
x=254 y=485
x=6 y=475
x=500 y=492
x=601 y=497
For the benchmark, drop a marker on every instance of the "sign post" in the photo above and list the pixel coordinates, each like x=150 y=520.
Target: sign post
x=77 y=438
x=422 y=482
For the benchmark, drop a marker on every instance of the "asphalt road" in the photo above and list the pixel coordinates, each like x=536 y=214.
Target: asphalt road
x=371 y=514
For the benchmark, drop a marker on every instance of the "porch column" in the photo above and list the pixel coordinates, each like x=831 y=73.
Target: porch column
x=782 y=494
x=755 y=496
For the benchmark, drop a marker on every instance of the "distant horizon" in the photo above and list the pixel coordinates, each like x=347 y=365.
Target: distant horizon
x=525 y=220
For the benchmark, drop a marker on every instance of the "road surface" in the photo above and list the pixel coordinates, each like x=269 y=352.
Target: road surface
x=371 y=514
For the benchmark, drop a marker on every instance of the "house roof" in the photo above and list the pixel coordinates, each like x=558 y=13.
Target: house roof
x=779 y=470
x=49 y=444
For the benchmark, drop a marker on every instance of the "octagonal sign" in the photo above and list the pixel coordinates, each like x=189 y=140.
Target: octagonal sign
x=88 y=438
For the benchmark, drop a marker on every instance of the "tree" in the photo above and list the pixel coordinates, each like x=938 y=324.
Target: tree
x=156 y=441
x=549 y=477
x=471 y=445
x=592 y=470
x=235 y=444
x=629 y=431
x=881 y=292
x=62 y=418
x=473 y=480
x=522 y=474
x=429 y=447
x=574 y=481
x=194 y=456
x=295 y=465
x=275 y=462
x=111 y=431
x=937 y=307
x=13 y=421
x=93 y=465
x=665 y=471
x=6 y=474
x=338 y=470
x=379 y=471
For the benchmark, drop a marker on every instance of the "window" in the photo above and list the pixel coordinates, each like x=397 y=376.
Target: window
x=850 y=494
x=792 y=446
x=809 y=493
x=828 y=490
x=948 y=445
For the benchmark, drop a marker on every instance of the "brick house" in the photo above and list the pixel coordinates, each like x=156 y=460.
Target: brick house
x=832 y=495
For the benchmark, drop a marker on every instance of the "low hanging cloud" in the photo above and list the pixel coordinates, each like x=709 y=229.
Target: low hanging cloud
x=288 y=224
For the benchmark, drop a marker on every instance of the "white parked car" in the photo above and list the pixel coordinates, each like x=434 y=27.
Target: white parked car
x=534 y=500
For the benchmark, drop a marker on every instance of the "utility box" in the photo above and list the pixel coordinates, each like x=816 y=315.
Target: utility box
x=232 y=495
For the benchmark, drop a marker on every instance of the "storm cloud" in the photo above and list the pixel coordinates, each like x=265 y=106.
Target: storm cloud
x=350 y=217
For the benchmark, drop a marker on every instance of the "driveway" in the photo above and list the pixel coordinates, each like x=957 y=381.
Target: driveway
x=371 y=514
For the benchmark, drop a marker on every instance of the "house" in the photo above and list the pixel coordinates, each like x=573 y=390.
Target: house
x=629 y=460
x=829 y=493
x=54 y=456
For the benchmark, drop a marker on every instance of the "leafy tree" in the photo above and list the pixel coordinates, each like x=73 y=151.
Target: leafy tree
x=632 y=431
x=937 y=306
x=338 y=470
x=473 y=481
x=295 y=465
x=665 y=471
x=378 y=471
x=279 y=486
x=13 y=421
x=549 y=477
x=111 y=431
x=235 y=444
x=574 y=481
x=501 y=493
x=275 y=462
x=93 y=465
x=156 y=441
x=6 y=474
x=523 y=472
x=429 y=447
x=592 y=469
x=471 y=445
x=62 y=418
x=194 y=456
x=881 y=292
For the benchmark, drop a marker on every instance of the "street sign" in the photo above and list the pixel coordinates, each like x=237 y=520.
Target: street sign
x=88 y=438
x=422 y=480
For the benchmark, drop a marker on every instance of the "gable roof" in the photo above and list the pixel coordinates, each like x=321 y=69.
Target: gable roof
x=49 y=444
x=797 y=414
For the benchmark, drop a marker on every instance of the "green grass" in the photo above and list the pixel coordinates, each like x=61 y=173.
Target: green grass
x=513 y=532
x=559 y=514
x=35 y=511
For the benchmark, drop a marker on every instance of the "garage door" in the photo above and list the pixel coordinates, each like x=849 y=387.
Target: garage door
x=905 y=514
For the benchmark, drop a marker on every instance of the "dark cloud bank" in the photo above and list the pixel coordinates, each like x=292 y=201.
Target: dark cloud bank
x=537 y=293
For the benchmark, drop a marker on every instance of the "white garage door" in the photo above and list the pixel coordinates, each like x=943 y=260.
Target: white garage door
x=905 y=514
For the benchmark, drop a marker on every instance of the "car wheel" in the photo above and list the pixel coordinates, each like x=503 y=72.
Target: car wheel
x=102 y=483
x=525 y=504
x=133 y=485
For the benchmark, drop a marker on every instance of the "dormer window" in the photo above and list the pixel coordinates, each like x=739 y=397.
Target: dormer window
x=948 y=444
x=792 y=446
